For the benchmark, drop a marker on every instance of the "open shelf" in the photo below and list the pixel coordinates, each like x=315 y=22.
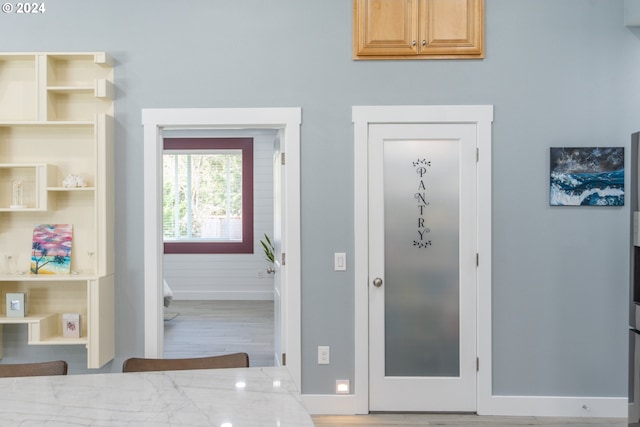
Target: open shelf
x=27 y=319
x=70 y=189
x=76 y=70
x=18 y=87
x=45 y=123
x=101 y=88
x=76 y=105
x=32 y=178
x=44 y=329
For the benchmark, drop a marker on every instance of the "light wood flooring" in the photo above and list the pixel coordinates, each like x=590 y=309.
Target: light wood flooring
x=209 y=328
x=203 y=328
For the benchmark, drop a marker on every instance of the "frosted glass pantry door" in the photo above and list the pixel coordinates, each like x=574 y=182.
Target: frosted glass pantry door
x=422 y=258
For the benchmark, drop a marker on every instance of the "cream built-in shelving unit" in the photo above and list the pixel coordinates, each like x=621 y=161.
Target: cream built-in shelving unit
x=56 y=119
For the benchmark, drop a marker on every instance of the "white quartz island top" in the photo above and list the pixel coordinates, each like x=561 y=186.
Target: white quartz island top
x=244 y=397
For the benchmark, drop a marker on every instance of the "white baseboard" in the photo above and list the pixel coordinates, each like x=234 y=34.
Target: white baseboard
x=223 y=295
x=517 y=406
x=330 y=404
x=557 y=406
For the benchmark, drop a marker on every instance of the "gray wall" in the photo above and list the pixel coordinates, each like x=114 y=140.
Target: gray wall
x=559 y=72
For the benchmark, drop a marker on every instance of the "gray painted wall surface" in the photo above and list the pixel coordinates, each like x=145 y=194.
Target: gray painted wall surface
x=559 y=72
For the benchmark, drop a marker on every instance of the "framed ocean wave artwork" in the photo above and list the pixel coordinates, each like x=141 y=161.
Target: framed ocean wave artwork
x=586 y=176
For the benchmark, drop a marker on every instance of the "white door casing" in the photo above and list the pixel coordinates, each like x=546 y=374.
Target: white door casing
x=287 y=121
x=279 y=317
x=363 y=116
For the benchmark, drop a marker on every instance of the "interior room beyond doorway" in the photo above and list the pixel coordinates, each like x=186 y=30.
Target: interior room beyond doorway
x=223 y=302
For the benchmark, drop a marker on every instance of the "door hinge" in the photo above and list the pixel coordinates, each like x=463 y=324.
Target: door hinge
x=282 y=158
x=284 y=359
x=477 y=364
x=477 y=259
x=284 y=258
x=477 y=154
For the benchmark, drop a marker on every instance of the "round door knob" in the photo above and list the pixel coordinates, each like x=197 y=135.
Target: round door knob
x=377 y=282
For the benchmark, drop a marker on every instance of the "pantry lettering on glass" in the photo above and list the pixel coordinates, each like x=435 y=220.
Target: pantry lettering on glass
x=421 y=167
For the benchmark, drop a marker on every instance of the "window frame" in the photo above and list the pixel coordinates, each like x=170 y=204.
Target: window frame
x=246 y=146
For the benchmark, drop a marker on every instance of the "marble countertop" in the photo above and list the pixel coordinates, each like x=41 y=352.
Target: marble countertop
x=244 y=397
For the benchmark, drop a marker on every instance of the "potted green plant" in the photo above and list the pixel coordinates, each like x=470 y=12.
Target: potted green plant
x=269 y=252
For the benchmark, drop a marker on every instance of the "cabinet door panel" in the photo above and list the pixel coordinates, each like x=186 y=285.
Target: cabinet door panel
x=385 y=27
x=452 y=27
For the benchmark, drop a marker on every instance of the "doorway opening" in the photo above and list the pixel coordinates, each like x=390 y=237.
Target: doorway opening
x=286 y=121
x=218 y=203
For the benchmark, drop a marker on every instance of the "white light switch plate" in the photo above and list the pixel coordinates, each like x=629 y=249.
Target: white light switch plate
x=323 y=354
x=340 y=261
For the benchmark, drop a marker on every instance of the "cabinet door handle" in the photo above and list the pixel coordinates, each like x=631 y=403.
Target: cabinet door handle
x=424 y=42
x=413 y=43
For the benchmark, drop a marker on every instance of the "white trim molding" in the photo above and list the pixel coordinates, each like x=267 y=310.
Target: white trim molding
x=559 y=406
x=287 y=121
x=330 y=404
x=363 y=116
x=516 y=406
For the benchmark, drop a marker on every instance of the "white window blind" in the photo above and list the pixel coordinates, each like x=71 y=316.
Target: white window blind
x=202 y=198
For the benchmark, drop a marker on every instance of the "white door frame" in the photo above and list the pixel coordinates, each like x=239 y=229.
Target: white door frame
x=363 y=116
x=288 y=121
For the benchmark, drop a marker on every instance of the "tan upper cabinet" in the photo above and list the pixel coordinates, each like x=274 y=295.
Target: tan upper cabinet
x=418 y=29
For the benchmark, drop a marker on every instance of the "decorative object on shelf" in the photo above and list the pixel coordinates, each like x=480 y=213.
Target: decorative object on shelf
x=17 y=195
x=16 y=304
x=16 y=264
x=9 y=264
x=71 y=325
x=74 y=181
x=586 y=176
x=51 y=249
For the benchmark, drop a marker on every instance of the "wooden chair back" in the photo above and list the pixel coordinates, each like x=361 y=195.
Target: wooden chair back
x=235 y=360
x=57 y=367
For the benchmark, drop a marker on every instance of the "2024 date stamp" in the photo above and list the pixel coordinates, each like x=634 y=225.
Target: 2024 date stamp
x=24 y=8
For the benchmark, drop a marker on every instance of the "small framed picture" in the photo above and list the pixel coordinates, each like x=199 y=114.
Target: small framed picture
x=71 y=325
x=16 y=304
